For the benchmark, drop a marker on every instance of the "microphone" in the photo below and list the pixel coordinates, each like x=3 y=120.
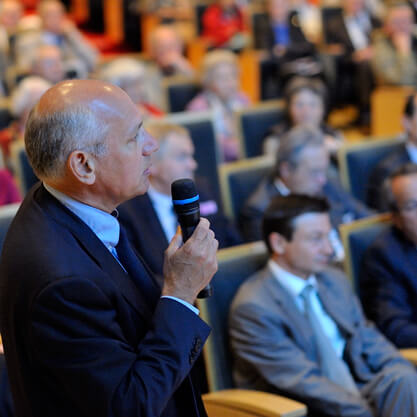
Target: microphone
x=186 y=203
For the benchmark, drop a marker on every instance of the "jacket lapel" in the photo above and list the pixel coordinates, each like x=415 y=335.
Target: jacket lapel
x=96 y=250
x=332 y=306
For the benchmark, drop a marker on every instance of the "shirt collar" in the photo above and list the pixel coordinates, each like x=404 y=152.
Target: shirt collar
x=412 y=151
x=281 y=187
x=103 y=224
x=292 y=283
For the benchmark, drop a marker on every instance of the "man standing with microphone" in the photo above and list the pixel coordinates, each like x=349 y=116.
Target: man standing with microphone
x=86 y=330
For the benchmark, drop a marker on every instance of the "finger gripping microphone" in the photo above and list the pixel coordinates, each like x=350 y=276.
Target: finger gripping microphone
x=186 y=203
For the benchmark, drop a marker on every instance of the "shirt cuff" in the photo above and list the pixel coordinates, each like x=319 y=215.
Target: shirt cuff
x=184 y=303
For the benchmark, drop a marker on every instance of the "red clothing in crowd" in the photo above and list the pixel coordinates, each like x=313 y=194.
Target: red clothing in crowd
x=219 y=26
x=8 y=191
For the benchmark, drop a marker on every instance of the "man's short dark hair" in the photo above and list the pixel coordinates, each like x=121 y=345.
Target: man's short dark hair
x=406 y=169
x=409 y=107
x=282 y=211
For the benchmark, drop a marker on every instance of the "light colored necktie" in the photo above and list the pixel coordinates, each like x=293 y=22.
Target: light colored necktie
x=333 y=367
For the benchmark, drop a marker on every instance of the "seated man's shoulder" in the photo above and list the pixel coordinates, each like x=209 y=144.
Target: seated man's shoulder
x=253 y=290
x=335 y=280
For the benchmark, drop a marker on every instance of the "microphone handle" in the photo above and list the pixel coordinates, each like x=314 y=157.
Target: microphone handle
x=187 y=231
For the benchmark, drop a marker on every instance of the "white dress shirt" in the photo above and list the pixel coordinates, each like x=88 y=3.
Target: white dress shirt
x=295 y=286
x=412 y=151
x=164 y=209
x=357 y=27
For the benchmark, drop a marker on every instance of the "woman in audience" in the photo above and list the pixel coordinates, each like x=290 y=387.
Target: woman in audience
x=131 y=76
x=220 y=78
x=23 y=98
x=305 y=106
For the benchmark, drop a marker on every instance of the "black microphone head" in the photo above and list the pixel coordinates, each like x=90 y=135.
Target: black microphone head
x=184 y=195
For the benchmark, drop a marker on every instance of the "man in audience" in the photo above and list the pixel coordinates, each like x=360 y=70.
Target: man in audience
x=405 y=152
x=351 y=32
x=301 y=167
x=149 y=219
x=290 y=54
x=166 y=49
x=389 y=273
x=78 y=55
x=395 y=50
x=297 y=329
x=48 y=64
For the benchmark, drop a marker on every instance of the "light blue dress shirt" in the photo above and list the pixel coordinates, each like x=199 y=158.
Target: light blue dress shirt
x=105 y=226
x=295 y=286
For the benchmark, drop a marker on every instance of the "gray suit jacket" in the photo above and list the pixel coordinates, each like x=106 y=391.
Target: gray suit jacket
x=274 y=350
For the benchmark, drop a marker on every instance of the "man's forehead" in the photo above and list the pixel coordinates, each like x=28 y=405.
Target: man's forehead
x=312 y=221
x=405 y=185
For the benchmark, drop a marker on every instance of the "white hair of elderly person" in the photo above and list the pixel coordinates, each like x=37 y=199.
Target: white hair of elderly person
x=133 y=76
x=26 y=95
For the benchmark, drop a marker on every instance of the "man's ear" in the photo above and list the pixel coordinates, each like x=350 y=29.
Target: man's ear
x=82 y=166
x=277 y=243
x=284 y=170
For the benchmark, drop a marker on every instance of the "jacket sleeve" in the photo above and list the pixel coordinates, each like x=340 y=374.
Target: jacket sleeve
x=75 y=334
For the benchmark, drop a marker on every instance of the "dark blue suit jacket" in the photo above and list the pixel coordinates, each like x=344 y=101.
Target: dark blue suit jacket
x=389 y=287
x=148 y=238
x=81 y=336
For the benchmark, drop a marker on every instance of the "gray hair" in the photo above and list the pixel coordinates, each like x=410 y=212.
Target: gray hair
x=122 y=69
x=51 y=137
x=212 y=60
x=293 y=143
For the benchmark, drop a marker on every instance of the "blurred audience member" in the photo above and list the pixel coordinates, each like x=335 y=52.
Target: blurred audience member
x=23 y=98
x=48 y=64
x=350 y=33
x=395 y=57
x=309 y=16
x=305 y=106
x=131 y=75
x=220 y=78
x=166 y=48
x=281 y=35
x=10 y=14
x=405 y=152
x=179 y=13
x=78 y=55
x=152 y=214
x=9 y=192
x=296 y=327
x=388 y=279
x=224 y=25
x=301 y=167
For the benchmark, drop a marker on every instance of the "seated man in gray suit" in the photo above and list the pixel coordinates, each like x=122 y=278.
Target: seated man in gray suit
x=301 y=167
x=297 y=329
